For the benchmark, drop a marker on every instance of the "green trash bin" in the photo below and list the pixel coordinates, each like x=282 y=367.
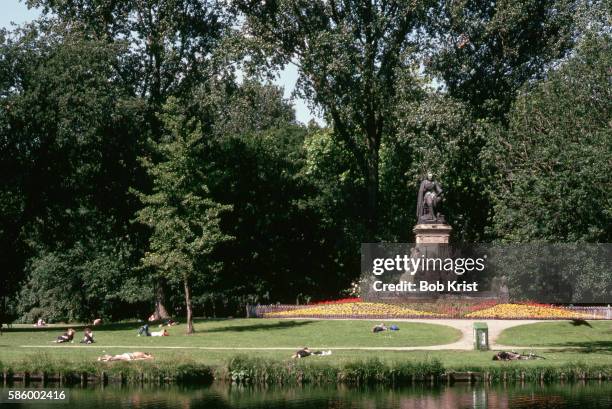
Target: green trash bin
x=481 y=336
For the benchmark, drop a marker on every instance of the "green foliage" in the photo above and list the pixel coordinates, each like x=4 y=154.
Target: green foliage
x=553 y=161
x=89 y=280
x=67 y=160
x=185 y=221
x=171 y=44
x=507 y=102
x=349 y=55
x=252 y=370
x=437 y=133
x=485 y=51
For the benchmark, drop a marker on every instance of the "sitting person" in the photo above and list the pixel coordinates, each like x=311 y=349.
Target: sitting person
x=97 y=321
x=88 y=337
x=126 y=356
x=379 y=328
x=163 y=333
x=304 y=352
x=170 y=323
x=144 y=330
x=40 y=323
x=67 y=336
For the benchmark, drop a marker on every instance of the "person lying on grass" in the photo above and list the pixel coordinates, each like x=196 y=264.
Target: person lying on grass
x=379 y=328
x=163 y=333
x=126 y=356
x=304 y=352
x=513 y=356
x=67 y=336
x=87 y=337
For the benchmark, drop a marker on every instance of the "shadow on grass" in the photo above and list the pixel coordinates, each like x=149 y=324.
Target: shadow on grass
x=256 y=327
x=585 y=347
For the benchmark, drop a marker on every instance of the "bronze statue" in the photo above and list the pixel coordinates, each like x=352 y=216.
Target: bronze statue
x=430 y=195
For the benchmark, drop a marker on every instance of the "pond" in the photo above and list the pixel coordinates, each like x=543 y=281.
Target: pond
x=592 y=395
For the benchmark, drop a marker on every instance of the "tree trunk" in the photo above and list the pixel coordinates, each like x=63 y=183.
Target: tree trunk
x=161 y=313
x=190 y=329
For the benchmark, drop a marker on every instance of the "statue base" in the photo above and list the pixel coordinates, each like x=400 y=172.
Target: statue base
x=434 y=233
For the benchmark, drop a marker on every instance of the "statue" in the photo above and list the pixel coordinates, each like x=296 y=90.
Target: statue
x=430 y=195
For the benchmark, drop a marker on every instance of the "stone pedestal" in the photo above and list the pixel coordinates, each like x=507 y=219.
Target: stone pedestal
x=431 y=242
x=432 y=233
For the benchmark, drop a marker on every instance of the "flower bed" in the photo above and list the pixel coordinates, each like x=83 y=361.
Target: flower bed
x=356 y=308
x=516 y=311
x=351 y=310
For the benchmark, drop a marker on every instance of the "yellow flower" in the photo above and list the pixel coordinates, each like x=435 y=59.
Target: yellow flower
x=524 y=311
x=354 y=310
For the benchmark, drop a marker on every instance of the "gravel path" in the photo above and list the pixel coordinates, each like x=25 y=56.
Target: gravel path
x=466 y=327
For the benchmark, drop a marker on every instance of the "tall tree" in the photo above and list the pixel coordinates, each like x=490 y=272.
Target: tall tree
x=183 y=218
x=348 y=54
x=173 y=46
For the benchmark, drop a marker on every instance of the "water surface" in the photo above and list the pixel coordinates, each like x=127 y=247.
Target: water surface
x=591 y=395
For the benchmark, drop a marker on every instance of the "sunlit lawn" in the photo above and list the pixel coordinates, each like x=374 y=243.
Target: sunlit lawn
x=234 y=333
x=594 y=335
x=258 y=333
x=23 y=342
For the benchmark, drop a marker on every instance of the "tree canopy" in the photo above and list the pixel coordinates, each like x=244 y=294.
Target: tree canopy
x=148 y=163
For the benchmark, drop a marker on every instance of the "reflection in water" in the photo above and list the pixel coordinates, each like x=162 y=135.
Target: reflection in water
x=594 y=395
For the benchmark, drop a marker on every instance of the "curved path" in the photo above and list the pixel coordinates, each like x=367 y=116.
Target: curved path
x=466 y=327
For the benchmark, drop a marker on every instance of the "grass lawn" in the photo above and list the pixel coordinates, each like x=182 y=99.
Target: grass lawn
x=596 y=336
x=256 y=333
x=251 y=333
x=261 y=333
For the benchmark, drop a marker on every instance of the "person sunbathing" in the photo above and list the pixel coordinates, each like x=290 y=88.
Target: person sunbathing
x=304 y=352
x=514 y=356
x=163 y=333
x=379 y=328
x=126 y=356
x=67 y=336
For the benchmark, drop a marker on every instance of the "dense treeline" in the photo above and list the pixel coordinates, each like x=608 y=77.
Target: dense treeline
x=148 y=164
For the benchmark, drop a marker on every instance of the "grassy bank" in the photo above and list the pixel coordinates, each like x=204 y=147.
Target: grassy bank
x=258 y=351
x=72 y=372
x=258 y=370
